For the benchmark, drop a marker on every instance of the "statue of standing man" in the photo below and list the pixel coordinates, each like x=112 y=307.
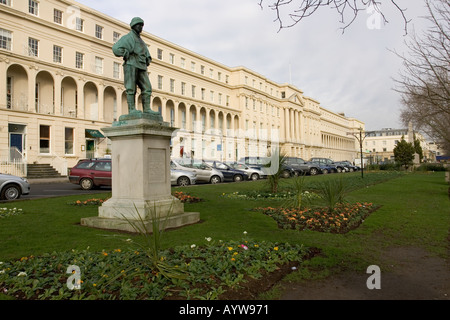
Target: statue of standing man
x=136 y=60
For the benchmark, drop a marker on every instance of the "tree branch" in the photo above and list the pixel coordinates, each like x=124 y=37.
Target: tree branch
x=290 y=12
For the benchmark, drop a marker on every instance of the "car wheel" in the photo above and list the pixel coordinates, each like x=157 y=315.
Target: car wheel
x=215 y=179
x=237 y=178
x=313 y=171
x=324 y=171
x=339 y=170
x=183 y=181
x=286 y=174
x=86 y=184
x=10 y=192
x=255 y=176
x=351 y=170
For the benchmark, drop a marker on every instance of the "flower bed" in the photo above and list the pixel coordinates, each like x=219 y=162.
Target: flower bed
x=183 y=197
x=210 y=271
x=5 y=212
x=88 y=202
x=186 y=198
x=342 y=219
x=263 y=195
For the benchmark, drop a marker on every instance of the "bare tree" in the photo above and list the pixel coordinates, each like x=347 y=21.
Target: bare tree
x=290 y=12
x=424 y=82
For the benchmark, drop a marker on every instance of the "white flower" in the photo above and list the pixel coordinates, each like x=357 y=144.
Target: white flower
x=22 y=274
x=2 y=271
x=193 y=246
x=208 y=239
x=245 y=232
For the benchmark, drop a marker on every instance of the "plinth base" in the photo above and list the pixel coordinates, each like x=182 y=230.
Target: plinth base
x=139 y=216
x=170 y=222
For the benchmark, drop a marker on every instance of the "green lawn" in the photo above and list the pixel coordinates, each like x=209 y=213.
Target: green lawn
x=415 y=210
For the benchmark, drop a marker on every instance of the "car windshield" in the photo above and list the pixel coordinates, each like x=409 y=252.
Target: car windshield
x=238 y=166
x=85 y=165
x=103 y=166
x=221 y=165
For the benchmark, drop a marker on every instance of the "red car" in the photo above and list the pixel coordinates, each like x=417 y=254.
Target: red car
x=91 y=173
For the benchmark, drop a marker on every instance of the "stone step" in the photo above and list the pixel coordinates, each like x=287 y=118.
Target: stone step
x=40 y=171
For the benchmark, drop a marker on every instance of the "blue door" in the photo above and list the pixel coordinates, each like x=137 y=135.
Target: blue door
x=16 y=141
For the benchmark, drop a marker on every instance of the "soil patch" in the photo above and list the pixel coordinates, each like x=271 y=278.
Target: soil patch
x=411 y=274
x=252 y=288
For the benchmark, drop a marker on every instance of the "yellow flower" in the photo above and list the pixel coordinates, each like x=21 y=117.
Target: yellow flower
x=233 y=259
x=230 y=248
x=117 y=250
x=276 y=248
x=104 y=253
x=235 y=253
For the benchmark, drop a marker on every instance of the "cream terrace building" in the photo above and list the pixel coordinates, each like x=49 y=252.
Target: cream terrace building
x=379 y=144
x=61 y=84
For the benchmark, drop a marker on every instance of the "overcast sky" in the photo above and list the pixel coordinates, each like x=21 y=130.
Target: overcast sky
x=350 y=72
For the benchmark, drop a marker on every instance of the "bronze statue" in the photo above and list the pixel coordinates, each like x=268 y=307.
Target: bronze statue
x=136 y=60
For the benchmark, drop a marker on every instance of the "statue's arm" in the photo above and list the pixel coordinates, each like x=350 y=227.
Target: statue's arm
x=122 y=48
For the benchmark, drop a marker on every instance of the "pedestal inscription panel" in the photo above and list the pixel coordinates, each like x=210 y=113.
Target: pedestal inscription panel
x=156 y=165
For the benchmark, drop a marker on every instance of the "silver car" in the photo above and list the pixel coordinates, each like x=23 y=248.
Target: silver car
x=12 y=187
x=181 y=177
x=204 y=172
x=253 y=173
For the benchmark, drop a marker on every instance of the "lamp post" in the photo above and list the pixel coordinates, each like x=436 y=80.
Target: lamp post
x=359 y=136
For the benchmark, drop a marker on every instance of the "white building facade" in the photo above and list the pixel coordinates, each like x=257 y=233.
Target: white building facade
x=60 y=84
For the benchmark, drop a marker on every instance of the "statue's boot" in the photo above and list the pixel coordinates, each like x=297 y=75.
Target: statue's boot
x=132 y=105
x=146 y=105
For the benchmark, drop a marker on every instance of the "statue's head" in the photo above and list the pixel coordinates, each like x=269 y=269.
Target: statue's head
x=135 y=21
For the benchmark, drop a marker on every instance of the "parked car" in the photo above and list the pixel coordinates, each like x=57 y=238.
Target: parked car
x=335 y=167
x=13 y=187
x=91 y=173
x=229 y=173
x=204 y=172
x=94 y=173
x=303 y=166
x=181 y=177
x=326 y=168
x=349 y=166
x=254 y=173
x=264 y=164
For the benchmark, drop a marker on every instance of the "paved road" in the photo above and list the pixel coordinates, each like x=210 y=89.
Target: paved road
x=54 y=188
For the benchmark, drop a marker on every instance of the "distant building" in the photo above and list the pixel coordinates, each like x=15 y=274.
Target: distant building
x=379 y=144
x=61 y=84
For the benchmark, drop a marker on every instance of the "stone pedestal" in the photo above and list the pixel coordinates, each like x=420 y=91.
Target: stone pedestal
x=141 y=189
